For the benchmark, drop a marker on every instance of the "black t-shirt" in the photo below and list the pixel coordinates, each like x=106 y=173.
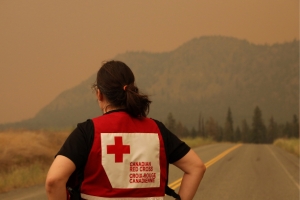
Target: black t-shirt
x=80 y=141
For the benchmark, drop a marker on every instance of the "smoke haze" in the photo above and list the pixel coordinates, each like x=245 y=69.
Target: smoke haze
x=50 y=46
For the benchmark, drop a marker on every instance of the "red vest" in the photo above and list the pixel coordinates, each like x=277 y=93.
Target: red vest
x=127 y=160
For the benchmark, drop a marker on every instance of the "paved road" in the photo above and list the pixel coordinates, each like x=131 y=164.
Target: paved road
x=245 y=172
x=249 y=172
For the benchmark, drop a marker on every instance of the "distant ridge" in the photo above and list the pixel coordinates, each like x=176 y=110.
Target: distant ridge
x=206 y=75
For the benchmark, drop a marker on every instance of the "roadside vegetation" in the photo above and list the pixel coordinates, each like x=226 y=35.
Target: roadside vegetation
x=291 y=145
x=25 y=157
x=257 y=131
x=198 y=141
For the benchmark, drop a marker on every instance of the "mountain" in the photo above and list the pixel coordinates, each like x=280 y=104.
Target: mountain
x=206 y=76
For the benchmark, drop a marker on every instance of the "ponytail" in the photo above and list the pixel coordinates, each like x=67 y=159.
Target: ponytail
x=116 y=81
x=137 y=104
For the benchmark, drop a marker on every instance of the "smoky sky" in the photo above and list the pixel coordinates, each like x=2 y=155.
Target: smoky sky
x=47 y=47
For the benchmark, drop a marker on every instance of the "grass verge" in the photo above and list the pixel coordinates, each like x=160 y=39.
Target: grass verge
x=198 y=141
x=23 y=176
x=25 y=157
x=291 y=145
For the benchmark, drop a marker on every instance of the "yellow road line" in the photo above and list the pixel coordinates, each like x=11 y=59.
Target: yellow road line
x=177 y=183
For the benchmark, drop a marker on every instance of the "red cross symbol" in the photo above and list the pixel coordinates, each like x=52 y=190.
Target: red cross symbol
x=118 y=149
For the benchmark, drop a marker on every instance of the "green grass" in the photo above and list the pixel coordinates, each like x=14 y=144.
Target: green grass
x=291 y=145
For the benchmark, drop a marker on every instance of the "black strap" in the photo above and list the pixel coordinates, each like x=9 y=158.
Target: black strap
x=74 y=193
x=172 y=193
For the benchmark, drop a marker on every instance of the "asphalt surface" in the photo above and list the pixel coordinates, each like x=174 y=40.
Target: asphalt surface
x=248 y=172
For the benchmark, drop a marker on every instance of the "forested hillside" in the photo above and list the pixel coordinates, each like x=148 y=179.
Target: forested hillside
x=210 y=74
x=204 y=77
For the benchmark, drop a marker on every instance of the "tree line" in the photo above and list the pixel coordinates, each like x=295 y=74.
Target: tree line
x=257 y=132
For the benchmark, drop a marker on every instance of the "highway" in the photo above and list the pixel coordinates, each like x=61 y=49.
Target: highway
x=234 y=172
x=248 y=172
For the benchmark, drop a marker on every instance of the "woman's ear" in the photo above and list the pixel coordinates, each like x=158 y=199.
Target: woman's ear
x=99 y=95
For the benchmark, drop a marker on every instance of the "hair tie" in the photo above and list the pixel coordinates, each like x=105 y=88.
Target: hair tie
x=124 y=87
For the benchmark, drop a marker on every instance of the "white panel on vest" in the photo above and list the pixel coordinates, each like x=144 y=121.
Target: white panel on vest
x=131 y=160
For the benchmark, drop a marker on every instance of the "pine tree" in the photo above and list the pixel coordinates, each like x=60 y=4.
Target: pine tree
x=237 y=134
x=220 y=135
x=272 y=131
x=295 y=127
x=193 y=133
x=200 y=126
x=171 y=123
x=245 y=132
x=287 y=130
x=203 y=129
x=228 y=128
x=258 y=127
x=211 y=128
x=180 y=132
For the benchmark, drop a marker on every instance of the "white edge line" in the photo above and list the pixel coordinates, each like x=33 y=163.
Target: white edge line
x=286 y=171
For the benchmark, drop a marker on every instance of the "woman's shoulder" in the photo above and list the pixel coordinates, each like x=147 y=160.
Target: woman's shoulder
x=86 y=125
x=159 y=123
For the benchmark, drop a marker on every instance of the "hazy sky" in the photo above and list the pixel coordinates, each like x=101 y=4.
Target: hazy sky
x=47 y=47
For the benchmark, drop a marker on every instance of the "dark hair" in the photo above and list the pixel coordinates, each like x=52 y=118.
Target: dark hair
x=116 y=81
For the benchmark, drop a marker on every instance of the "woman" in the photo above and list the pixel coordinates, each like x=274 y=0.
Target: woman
x=121 y=154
